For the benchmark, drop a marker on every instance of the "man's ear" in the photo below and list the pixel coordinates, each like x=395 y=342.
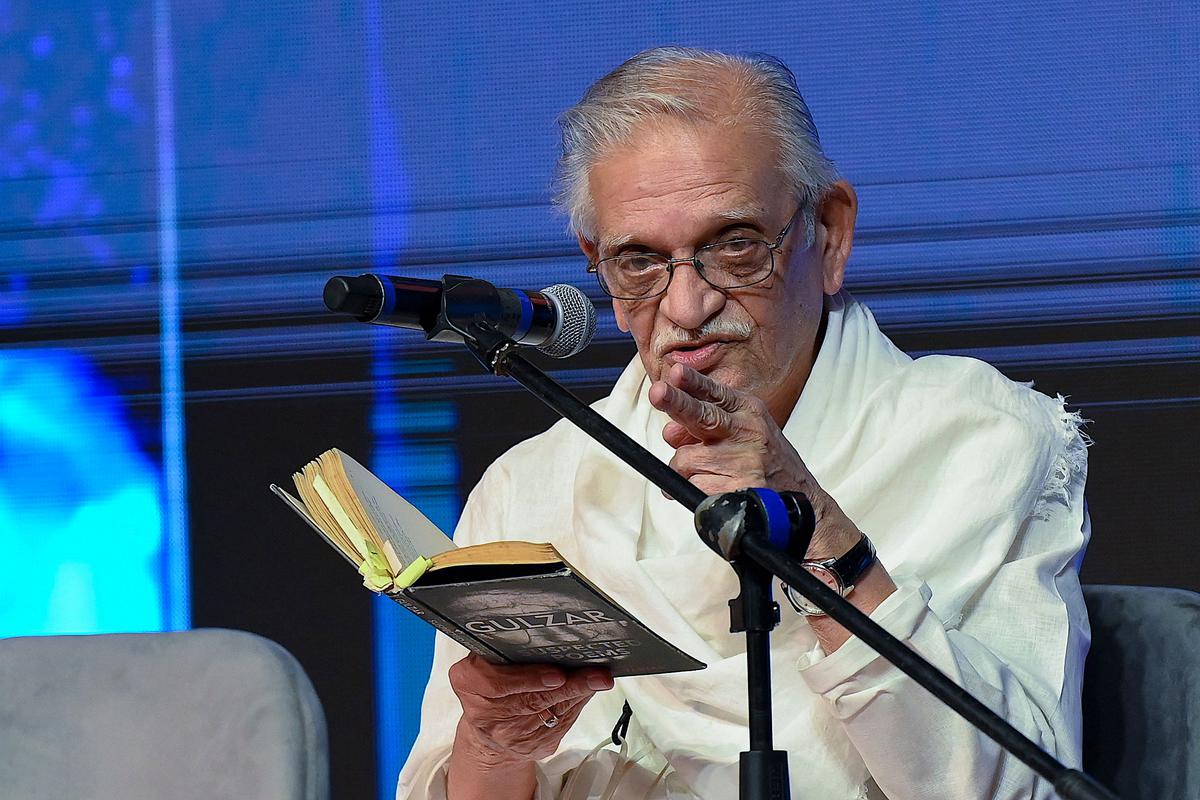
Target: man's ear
x=837 y=215
x=591 y=251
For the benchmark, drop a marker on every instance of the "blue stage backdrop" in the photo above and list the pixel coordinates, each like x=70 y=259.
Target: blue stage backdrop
x=92 y=513
x=177 y=181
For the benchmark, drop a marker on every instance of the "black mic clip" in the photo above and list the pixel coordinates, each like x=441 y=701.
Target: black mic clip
x=490 y=347
x=467 y=305
x=785 y=520
x=468 y=309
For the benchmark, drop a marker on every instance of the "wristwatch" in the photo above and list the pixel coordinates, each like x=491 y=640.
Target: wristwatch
x=839 y=574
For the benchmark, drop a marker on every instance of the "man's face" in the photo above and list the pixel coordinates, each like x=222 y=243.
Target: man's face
x=677 y=187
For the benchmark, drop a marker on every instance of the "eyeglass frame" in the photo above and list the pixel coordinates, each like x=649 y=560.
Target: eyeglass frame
x=694 y=259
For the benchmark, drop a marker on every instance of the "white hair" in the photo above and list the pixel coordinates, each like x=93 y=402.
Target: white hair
x=701 y=86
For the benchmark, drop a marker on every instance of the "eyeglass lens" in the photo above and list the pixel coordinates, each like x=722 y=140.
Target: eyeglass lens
x=726 y=265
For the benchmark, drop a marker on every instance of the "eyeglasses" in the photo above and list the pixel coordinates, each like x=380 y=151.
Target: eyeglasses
x=731 y=264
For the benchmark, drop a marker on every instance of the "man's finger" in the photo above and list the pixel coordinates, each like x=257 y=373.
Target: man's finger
x=565 y=709
x=474 y=675
x=703 y=420
x=568 y=715
x=523 y=686
x=530 y=703
x=677 y=435
x=577 y=688
x=702 y=387
x=726 y=458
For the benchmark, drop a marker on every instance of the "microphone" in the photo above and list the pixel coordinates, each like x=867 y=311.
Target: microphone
x=559 y=320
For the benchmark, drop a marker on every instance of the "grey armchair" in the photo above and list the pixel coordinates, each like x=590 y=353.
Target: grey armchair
x=198 y=714
x=1141 y=692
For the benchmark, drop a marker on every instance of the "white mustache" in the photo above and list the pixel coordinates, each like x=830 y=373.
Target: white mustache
x=735 y=330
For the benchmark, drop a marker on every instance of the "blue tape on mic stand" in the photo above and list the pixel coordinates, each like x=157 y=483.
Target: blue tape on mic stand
x=526 y=317
x=779 y=527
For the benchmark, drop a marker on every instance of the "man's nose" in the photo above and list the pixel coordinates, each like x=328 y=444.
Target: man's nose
x=690 y=301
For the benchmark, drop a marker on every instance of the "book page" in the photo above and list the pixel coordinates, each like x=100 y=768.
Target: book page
x=320 y=514
x=347 y=525
x=333 y=472
x=398 y=521
x=296 y=505
x=379 y=568
x=505 y=552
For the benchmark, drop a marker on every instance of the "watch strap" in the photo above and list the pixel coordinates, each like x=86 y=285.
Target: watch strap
x=850 y=566
x=847 y=570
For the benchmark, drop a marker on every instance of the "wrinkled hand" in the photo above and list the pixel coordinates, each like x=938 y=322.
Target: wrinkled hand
x=726 y=440
x=504 y=706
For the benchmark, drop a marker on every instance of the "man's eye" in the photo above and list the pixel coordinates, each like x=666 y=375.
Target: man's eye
x=734 y=247
x=639 y=262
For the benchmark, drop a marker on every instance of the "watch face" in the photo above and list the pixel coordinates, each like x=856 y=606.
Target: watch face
x=827 y=577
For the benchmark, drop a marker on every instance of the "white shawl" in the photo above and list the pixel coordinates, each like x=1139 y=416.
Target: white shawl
x=942 y=461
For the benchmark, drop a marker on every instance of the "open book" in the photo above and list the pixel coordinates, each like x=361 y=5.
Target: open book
x=511 y=602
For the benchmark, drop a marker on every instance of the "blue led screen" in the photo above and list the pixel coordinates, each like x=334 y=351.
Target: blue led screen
x=84 y=504
x=1021 y=167
x=80 y=515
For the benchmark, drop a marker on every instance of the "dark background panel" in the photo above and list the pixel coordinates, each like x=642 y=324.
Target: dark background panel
x=257 y=567
x=1143 y=495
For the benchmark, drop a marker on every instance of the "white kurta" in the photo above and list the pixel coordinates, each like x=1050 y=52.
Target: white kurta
x=971 y=488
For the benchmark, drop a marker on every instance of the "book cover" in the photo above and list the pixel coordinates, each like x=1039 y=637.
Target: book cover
x=549 y=616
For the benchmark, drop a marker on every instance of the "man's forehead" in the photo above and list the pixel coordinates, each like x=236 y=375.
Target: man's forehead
x=749 y=212
x=675 y=174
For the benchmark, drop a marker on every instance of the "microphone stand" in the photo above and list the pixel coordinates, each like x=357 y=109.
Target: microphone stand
x=757 y=548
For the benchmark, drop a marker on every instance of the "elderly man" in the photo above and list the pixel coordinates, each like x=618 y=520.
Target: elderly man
x=697 y=187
